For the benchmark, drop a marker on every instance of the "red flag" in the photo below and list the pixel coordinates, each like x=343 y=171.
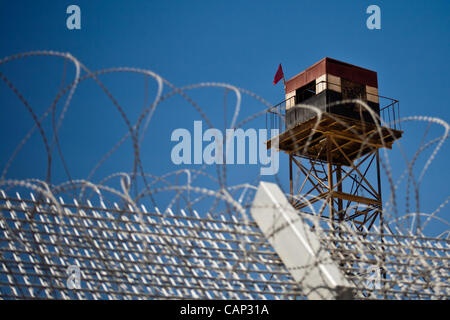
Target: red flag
x=279 y=75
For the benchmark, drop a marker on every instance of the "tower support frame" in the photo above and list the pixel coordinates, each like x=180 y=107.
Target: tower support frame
x=332 y=161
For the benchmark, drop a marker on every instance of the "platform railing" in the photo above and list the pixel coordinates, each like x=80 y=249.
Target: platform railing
x=275 y=116
x=389 y=111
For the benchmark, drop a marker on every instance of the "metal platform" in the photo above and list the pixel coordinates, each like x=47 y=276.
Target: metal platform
x=350 y=139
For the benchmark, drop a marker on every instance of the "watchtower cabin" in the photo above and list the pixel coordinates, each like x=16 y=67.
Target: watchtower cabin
x=332 y=128
x=326 y=83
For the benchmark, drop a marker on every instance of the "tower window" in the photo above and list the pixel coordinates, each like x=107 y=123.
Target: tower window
x=352 y=90
x=305 y=92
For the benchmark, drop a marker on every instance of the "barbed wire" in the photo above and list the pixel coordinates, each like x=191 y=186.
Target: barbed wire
x=125 y=251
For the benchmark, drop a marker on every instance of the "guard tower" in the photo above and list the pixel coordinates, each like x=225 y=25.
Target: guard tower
x=331 y=129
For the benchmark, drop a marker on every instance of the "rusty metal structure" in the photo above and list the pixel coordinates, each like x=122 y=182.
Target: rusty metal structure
x=333 y=136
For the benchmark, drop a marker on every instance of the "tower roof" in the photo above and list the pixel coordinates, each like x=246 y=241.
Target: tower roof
x=336 y=68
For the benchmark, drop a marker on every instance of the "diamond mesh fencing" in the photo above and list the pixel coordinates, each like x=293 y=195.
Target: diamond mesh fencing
x=123 y=254
x=392 y=265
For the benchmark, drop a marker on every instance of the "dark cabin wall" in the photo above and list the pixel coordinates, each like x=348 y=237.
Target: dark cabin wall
x=322 y=101
x=298 y=114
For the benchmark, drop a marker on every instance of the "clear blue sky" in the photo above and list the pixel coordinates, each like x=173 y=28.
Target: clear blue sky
x=237 y=42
